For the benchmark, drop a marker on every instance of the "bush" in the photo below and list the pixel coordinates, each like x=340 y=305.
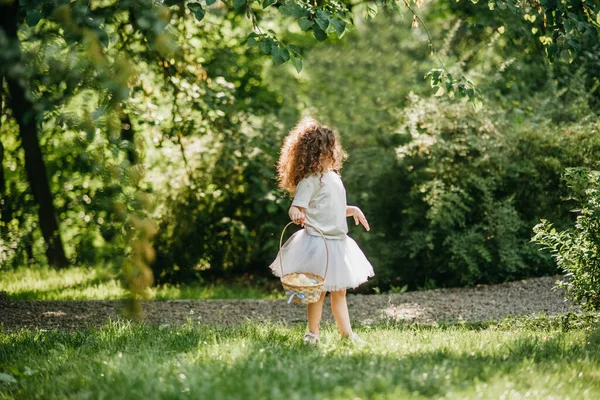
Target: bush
x=448 y=222
x=222 y=219
x=577 y=250
x=456 y=203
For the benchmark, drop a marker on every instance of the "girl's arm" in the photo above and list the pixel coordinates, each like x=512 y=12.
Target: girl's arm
x=359 y=217
x=297 y=215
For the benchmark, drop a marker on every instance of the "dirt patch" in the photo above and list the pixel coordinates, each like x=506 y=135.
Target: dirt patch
x=481 y=303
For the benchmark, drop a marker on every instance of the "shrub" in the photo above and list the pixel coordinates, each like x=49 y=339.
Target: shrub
x=222 y=219
x=455 y=204
x=577 y=250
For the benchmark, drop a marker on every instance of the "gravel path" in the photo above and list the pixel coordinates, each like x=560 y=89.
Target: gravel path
x=481 y=303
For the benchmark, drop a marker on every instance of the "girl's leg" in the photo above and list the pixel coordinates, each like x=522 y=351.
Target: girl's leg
x=339 y=307
x=314 y=311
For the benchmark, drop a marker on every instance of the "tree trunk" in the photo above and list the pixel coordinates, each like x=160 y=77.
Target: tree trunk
x=2 y=178
x=26 y=117
x=5 y=206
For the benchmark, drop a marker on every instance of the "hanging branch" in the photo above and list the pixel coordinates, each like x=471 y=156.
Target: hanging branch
x=429 y=38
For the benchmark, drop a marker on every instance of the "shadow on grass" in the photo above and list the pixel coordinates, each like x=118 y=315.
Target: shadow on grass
x=268 y=361
x=341 y=370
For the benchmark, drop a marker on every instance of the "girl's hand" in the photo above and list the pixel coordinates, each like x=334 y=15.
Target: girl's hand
x=297 y=215
x=359 y=217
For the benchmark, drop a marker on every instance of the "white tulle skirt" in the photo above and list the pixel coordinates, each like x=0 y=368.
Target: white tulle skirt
x=348 y=266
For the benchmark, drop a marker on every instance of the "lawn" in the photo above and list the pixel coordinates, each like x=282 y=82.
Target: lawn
x=136 y=361
x=526 y=357
x=102 y=283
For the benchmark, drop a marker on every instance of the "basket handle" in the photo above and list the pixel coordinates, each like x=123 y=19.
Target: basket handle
x=320 y=233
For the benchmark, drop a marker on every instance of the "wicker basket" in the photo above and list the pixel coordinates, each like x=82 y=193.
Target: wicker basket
x=303 y=293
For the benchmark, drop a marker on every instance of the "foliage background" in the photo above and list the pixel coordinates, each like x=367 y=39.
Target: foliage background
x=177 y=134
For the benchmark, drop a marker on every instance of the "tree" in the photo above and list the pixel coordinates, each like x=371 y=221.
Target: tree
x=27 y=117
x=89 y=30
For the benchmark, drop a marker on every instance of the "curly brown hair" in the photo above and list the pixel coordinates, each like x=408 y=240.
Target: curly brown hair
x=310 y=148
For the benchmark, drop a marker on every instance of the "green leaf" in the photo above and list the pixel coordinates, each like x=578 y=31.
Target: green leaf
x=297 y=63
x=279 y=55
x=319 y=33
x=294 y=49
x=266 y=44
x=574 y=44
x=305 y=23
x=194 y=7
x=477 y=104
x=200 y=14
x=93 y=23
x=251 y=41
x=103 y=37
x=339 y=26
x=33 y=17
x=267 y=3
x=436 y=75
x=239 y=3
x=197 y=9
x=566 y=56
x=210 y=2
x=552 y=51
x=287 y=9
x=371 y=11
x=322 y=19
x=292 y=9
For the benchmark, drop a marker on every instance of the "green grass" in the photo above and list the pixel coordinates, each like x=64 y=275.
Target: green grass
x=78 y=283
x=265 y=361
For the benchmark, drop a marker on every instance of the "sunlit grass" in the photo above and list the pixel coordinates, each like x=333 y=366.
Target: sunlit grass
x=78 y=283
x=267 y=361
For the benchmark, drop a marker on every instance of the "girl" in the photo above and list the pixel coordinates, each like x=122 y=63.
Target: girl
x=308 y=169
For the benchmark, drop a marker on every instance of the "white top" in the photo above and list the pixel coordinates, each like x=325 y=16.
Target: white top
x=324 y=201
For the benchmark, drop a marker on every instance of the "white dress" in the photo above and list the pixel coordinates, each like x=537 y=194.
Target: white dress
x=324 y=200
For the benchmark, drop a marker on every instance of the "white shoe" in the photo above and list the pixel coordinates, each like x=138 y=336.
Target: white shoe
x=310 y=338
x=354 y=338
